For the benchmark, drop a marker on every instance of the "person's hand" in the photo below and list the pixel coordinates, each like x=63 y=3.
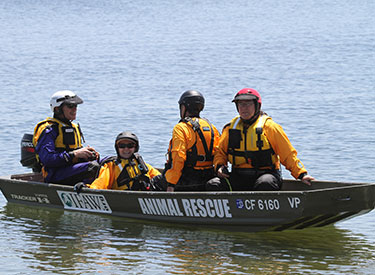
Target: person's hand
x=78 y=187
x=86 y=153
x=170 y=189
x=159 y=183
x=222 y=172
x=307 y=179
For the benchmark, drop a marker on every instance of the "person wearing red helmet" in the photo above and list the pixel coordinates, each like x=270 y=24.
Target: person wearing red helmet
x=255 y=146
x=191 y=149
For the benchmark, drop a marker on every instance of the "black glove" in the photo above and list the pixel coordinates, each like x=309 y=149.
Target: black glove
x=78 y=187
x=159 y=183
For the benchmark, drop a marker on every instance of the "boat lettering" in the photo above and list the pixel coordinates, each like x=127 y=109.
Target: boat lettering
x=201 y=208
x=268 y=204
x=161 y=207
x=23 y=197
x=26 y=144
x=262 y=205
x=294 y=202
x=42 y=198
x=87 y=202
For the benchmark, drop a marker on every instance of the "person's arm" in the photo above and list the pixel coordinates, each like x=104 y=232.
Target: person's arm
x=221 y=155
x=152 y=172
x=179 y=146
x=287 y=153
x=216 y=139
x=105 y=178
x=47 y=152
x=50 y=157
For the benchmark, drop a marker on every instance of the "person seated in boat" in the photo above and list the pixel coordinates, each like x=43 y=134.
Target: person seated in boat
x=254 y=145
x=58 y=143
x=191 y=149
x=127 y=170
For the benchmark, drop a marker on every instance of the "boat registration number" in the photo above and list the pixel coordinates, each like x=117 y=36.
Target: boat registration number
x=266 y=204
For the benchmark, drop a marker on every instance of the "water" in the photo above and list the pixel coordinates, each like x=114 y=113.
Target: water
x=312 y=61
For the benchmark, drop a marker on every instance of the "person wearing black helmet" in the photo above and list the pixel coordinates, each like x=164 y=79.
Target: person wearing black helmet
x=255 y=146
x=58 y=143
x=127 y=170
x=194 y=141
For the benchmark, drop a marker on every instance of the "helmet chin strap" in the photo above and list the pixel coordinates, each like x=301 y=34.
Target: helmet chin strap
x=254 y=117
x=183 y=115
x=60 y=114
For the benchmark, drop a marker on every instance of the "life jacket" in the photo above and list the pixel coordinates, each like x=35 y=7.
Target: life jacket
x=131 y=174
x=250 y=145
x=200 y=155
x=69 y=137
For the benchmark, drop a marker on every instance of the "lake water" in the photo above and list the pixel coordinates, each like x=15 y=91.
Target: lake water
x=312 y=61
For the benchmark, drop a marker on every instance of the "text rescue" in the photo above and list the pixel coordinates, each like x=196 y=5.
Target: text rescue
x=213 y=208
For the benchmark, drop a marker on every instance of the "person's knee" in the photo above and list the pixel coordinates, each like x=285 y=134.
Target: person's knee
x=91 y=172
x=267 y=182
x=216 y=184
x=93 y=167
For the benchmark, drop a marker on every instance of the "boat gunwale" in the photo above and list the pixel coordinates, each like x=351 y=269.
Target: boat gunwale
x=306 y=188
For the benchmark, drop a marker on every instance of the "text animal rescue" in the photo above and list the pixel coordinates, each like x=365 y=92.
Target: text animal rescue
x=212 y=208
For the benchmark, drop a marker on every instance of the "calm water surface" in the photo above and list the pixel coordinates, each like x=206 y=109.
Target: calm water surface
x=312 y=61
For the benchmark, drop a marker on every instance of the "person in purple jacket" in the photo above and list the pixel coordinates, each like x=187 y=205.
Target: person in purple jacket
x=58 y=144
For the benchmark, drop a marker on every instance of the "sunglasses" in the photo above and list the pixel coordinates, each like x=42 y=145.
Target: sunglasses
x=71 y=105
x=245 y=103
x=126 y=145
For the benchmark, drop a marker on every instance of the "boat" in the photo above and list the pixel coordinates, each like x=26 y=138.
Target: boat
x=296 y=206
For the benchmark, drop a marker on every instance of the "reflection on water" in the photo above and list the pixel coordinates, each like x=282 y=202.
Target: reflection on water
x=65 y=242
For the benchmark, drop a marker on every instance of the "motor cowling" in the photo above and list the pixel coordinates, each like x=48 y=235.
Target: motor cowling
x=28 y=156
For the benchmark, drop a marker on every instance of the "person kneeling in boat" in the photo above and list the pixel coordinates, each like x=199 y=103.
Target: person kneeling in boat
x=127 y=170
x=58 y=143
x=191 y=148
x=254 y=145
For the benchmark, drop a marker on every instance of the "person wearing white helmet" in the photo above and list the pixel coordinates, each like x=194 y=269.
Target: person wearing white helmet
x=58 y=143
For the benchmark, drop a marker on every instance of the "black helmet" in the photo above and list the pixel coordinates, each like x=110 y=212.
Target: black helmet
x=127 y=135
x=192 y=100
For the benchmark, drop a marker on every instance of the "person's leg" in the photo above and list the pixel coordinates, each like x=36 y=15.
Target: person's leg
x=218 y=184
x=70 y=175
x=194 y=180
x=242 y=179
x=268 y=182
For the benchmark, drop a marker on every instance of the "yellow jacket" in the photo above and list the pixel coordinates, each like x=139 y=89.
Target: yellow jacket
x=110 y=171
x=183 y=140
x=276 y=137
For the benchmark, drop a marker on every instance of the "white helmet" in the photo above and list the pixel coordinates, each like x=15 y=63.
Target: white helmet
x=66 y=96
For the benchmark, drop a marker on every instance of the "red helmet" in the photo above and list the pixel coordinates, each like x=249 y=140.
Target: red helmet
x=248 y=94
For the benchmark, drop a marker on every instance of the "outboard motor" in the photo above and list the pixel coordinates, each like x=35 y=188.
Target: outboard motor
x=28 y=157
